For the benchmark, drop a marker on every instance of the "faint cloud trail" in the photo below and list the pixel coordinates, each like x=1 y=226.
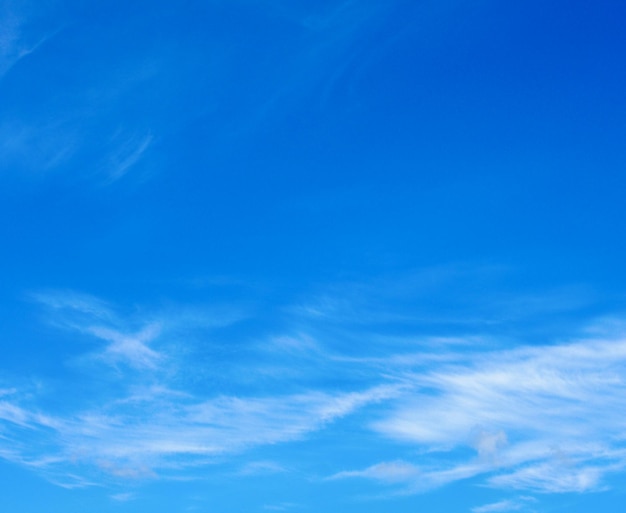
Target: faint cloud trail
x=150 y=427
x=125 y=157
x=16 y=42
x=542 y=418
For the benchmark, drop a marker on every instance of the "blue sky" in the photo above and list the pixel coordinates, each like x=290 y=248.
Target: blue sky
x=271 y=255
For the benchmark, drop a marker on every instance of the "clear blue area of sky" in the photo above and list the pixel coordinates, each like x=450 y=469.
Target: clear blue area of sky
x=343 y=255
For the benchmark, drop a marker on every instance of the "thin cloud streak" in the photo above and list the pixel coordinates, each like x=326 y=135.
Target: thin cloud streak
x=125 y=157
x=161 y=436
x=497 y=507
x=388 y=472
x=132 y=349
x=150 y=427
x=14 y=43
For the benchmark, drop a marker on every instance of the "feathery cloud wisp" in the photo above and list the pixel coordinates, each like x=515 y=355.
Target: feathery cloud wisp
x=547 y=419
x=541 y=418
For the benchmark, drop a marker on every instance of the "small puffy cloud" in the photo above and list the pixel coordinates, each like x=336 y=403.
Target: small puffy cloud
x=489 y=444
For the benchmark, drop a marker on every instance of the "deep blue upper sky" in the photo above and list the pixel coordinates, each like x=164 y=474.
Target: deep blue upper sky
x=280 y=255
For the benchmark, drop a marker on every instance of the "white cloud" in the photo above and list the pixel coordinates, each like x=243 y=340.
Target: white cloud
x=147 y=425
x=389 y=472
x=160 y=436
x=555 y=477
x=11 y=413
x=74 y=302
x=546 y=418
x=74 y=130
x=90 y=315
x=541 y=418
x=496 y=507
x=130 y=348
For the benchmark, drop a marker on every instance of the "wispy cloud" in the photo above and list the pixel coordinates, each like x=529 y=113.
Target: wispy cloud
x=37 y=147
x=72 y=302
x=541 y=418
x=160 y=436
x=441 y=296
x=146 y=426
x=71 y=130
x=388 y=472
x=331 y=38
x=546 y=419
x=581 y=474
x=124 y=156
x=16 y=39
x=497 y=507
x=123 y=497
x=130 y=348
x=130 y=338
